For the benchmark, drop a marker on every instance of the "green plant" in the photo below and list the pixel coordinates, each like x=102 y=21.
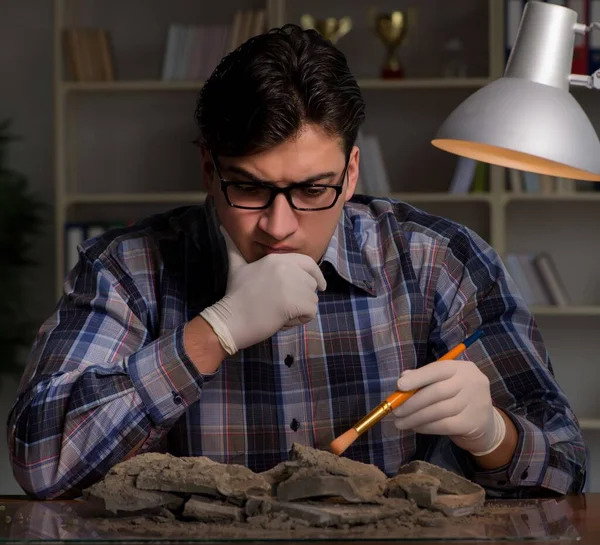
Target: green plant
x=20 y=220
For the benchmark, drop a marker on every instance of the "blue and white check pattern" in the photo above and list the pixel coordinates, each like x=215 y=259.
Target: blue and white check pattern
x=108 y=375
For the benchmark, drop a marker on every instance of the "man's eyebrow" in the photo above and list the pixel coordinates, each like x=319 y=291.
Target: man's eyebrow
x=317 y=177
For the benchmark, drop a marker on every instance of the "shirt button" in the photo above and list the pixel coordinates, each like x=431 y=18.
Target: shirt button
x=288 y=360
x=177 y=399
x=525 y=474
x=295 y=425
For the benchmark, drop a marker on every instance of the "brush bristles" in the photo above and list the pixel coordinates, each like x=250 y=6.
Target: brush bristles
x=340 y=444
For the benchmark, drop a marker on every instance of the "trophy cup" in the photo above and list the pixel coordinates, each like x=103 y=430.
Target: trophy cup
x=330 y=28
x=391 y=30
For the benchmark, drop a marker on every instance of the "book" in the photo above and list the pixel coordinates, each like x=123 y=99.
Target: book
x=552 y=280
x=464 y=174
x=88 y=54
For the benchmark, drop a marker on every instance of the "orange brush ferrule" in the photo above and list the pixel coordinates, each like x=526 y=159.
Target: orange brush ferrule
x=384 y=408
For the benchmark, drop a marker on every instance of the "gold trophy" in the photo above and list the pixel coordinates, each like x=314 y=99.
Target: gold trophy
x=330 y=28
x=391 y=30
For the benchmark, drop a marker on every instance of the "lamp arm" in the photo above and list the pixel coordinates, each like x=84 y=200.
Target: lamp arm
x=581 y=80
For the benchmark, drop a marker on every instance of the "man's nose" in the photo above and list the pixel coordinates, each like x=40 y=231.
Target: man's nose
x=279 y=220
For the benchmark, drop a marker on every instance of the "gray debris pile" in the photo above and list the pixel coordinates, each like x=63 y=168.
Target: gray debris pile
x=313 y=489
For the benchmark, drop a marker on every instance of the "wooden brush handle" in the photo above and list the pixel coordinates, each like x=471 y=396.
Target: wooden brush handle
x=397 y=398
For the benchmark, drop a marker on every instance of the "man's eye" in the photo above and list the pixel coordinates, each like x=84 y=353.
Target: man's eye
x=247 y=188
x=314 y=191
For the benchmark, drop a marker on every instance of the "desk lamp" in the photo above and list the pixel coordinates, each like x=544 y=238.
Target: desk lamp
x=527 y=119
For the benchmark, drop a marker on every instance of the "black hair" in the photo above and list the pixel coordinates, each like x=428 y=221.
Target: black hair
x=262 y=93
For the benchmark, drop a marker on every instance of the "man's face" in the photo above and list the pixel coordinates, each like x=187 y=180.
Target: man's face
x=280 y=228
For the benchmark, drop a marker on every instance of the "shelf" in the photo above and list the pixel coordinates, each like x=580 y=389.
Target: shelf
x=582 y=196
x=195 y=85
x=424 y=83
x=132 y=198
x=194 y=197
x=442 y=197
x=589 y=423
x=131 y=86
x=574 y=310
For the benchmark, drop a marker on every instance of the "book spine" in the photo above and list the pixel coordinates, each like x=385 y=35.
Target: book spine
x=549 y=274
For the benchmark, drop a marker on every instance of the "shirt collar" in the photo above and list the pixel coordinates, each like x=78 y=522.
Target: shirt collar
x=344 y=253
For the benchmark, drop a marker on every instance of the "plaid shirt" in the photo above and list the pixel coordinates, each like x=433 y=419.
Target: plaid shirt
x=109 y=376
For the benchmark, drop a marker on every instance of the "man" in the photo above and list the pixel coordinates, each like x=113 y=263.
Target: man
x=284 y=310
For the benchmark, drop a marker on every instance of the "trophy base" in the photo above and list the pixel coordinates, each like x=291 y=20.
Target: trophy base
x=392 y=73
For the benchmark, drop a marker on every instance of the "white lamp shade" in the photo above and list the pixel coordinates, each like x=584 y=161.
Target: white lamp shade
x=525 y=125
x=527 y=119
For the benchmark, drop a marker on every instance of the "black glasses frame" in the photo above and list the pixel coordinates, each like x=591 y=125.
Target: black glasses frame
x=274 y=190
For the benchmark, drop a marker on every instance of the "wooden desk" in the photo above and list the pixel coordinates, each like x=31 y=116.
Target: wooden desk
x=574 y=518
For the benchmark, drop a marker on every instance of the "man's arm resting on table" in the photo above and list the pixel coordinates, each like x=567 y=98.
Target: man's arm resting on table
x=543 y=448
x=111 y=392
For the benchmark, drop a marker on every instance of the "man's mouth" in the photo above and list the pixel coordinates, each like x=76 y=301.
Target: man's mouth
x=279 y=249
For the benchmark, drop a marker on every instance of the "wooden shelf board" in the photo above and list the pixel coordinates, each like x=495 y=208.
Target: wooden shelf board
x=124 y=198
x=575 y=310
x=422 y=83
x=583 y=196
x=100 y=198
x=195 y=85
x=442 y=197
x=131 y=86
x=589 y=423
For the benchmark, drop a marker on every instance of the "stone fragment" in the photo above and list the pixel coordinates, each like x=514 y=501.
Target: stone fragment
x=117 y=491
x=420 y=488
x=254 y=506
x=133 y=466
x=309 y=483
x=338 y=515
x=450 y=482
x=280 y=472
x=456 y=496
x=201 y=475
x=205 y=510
x=314 y=473
x=334 y=465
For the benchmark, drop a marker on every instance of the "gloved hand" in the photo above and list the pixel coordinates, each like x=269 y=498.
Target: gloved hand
x=262 y=297
x=454 y=400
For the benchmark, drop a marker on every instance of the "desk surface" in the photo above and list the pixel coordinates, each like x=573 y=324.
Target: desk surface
x=572 y=519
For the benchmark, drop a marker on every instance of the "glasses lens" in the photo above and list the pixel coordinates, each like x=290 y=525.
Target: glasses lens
x=309 y=197
x=248 y=195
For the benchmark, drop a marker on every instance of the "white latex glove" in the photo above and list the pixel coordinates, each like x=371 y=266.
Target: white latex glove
x=262 y=297
x=454 y=400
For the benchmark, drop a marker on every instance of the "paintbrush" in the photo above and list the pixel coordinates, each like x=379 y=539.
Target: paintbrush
x=394 y=400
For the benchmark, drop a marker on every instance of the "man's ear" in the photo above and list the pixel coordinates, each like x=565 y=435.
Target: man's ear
x=352 y=173
x=208 y=171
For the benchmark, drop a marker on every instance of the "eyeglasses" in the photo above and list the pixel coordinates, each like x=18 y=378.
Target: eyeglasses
x=260 y=195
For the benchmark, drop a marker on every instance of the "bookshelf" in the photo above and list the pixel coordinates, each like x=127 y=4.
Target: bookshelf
x=365 y=83
x=405 y=113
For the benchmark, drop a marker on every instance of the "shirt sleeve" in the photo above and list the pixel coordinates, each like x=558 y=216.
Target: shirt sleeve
x=97 y=388
x=474 y=291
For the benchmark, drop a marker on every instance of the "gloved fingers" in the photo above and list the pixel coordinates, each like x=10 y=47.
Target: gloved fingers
x=440 y=427
x=428 y=374
x=236 y=259
x=309 y=265
x=302 y=312
x=295 y=322
x=439 y=391
x=433 y=413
